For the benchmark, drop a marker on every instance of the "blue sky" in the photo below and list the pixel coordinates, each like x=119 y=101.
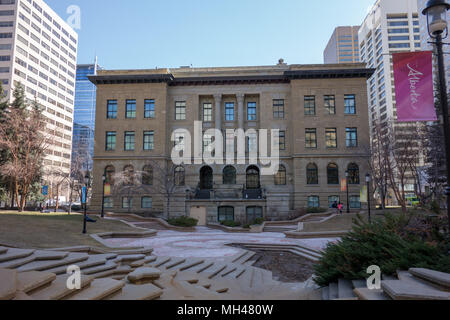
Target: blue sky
x=171 y=33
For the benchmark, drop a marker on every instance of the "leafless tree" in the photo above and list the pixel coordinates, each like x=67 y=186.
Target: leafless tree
x=127 y=182
x=23 y=134
x=58 y=179
x=79 y=167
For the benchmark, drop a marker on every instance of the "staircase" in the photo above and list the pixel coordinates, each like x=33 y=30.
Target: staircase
x=415 y=284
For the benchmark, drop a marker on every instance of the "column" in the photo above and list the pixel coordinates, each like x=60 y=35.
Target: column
x=218 y=111
x=240 y=101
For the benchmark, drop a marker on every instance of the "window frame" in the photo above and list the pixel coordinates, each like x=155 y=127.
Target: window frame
x=151 y=143
x=351 y=108
x=149 y=109
x=129 y=134
x=251 y=111
x=207 y=116
x=229 y=212
x=330 y=106
x=351 y=137
x=331 y=143
x=308 y=141
x=310 y=105
x=110 y=134
x=146 y=198
x=111 y=114
x=180 y=110
x=278 y=109
x=230 y=116
x=130 y=113
x=317 y=198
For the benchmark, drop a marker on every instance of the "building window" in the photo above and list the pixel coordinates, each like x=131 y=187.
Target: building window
x=130 y=109
x=351 y=137
x=252 y=178
x=180 y=110
x=280 y=176
x=350 y=104
x=353 y=174
x=311 y=138
x=108 y=202
x=111 y=109
x=207 y=143
x=110 y=141
x=207 y=112
x=310 y=105
x=179 y=142
x=313 y=202
x=226 y=214
x=179 y=176
x=127 y=202
x=149 y=109
x=312 y=174
x=278 y=109
x=333 y=174
x=282 y=140
x=330 y=104
x=147 y=175
x=229 y=175
x=331 y=138
x=332 y=200
x=251 y=111
x=129 y=141
x=149 y=140
x=229 y=111
x=355 y=202
x=254 y=213
x=146 y=202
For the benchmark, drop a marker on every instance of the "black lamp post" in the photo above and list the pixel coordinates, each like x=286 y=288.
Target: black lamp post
x=103 y=196
x=346 y=187
x=86 y=182
x=436 y=12
x=368 y=178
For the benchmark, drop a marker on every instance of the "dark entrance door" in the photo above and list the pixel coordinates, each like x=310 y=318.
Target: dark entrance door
x=253 y=181
x=206 y=178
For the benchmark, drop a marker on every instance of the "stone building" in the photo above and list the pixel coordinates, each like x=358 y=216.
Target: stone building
x=320 y=111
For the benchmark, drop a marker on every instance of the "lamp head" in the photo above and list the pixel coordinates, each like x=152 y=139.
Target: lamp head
x=436 y=12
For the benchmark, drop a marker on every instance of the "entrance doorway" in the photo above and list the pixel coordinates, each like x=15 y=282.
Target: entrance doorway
x=206 y=178
x=199 y=213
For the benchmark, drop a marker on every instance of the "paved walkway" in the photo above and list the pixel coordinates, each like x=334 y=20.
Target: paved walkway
x=210 y=243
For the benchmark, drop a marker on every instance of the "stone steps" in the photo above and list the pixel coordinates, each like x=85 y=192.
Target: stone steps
x=8 y=283
x=411 y=288
x=189 y=264
x=92 y=261
x=72 y=258
x=99 y=289
x=366 y=294
x=333 y=291
x=345 y=289
x=160 y=261
x=440 y=279
x=174 y=262
x=58 y=290
x=137 y=292
x=30 y=281
x=109 y=265
x=13 y=254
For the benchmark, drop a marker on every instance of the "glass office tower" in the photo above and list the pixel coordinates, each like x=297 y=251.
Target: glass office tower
x=84 y=114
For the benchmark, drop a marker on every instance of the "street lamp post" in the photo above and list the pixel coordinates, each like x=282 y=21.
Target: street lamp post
x=86 y=182
x=368 y=178
x=436 y=12
x=346 y=187
x=103 y=197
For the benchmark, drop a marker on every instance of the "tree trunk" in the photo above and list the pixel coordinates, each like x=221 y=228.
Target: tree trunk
x=168 y=207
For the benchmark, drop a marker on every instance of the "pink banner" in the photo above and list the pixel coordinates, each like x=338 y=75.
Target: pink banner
x=413 y=74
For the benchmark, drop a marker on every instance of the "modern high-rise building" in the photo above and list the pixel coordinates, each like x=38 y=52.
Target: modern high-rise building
x=84 y=113
x=39 y=49
x=390 y=27
x=343 y=46
x=425 y=39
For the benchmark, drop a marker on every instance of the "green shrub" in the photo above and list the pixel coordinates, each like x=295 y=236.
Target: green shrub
x=392 y=243
x=316 y=210
x=247 y=226
x=183 y=222
x=231 y=223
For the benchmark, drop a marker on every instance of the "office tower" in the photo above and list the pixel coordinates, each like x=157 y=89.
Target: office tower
x=38 y=49
x=390 y=27
x=84 y=114
x=343 y=46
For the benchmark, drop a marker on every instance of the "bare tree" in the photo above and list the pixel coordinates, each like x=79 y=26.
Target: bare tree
x=127 y=182
x=57 y=178
x=23 y=135
x=79 y=167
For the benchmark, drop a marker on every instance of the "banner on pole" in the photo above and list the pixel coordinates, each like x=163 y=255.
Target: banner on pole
x=413 y=75
x=363 y=194
x=107 y=189
x=343 y=185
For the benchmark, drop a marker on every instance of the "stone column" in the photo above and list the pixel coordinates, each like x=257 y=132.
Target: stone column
x=218 y=111
x=240 y=101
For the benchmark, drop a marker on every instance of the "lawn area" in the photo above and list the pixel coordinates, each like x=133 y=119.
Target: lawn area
x=52 y=230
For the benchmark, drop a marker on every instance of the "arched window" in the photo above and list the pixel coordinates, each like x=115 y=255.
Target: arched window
x=147 y=175
x=312 y=174
x=333 y=173
x=229 y=175
x=353 y=173
x=252 y=178
x=280 y=177
x=206 y=178
x=110 y=171
x=128 y=175
x=179 y=176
